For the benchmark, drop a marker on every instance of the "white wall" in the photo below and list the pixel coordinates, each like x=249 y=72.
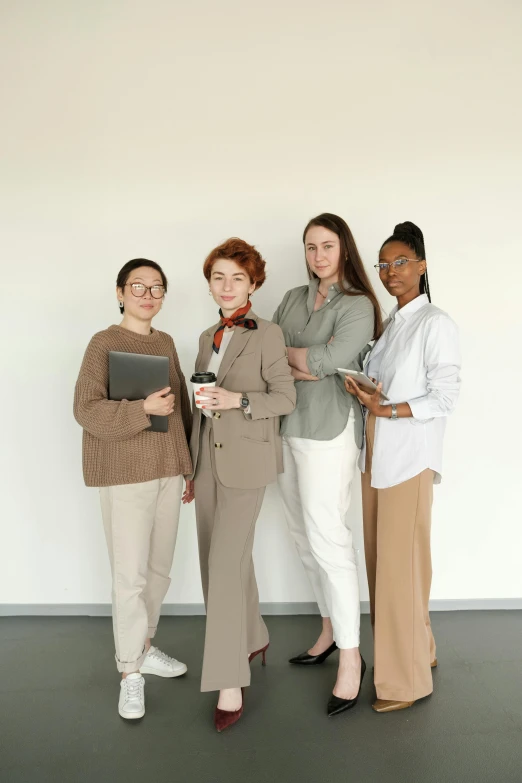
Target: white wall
x=160 y=128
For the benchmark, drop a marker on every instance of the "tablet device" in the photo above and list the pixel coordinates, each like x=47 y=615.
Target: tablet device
x=133 y=376
x=362 y=380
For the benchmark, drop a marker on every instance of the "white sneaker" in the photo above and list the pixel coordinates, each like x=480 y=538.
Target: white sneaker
x=132 y=697
x=157 y=662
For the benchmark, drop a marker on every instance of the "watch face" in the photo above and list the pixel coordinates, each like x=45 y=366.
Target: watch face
x=244 y=402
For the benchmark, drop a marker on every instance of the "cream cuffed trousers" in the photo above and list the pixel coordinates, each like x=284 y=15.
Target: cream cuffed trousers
x=141 y=526
x=316 y=491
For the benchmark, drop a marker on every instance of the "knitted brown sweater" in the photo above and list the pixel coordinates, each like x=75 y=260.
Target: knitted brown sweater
x=116 y=447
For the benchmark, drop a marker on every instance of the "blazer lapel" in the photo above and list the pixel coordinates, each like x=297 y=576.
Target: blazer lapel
x=237 y=344
x=206 y=349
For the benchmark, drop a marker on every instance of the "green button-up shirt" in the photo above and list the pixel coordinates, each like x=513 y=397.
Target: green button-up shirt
x=323 y=406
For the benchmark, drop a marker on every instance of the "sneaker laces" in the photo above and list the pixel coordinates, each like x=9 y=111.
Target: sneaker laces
x=161 y=656
x=133 y=687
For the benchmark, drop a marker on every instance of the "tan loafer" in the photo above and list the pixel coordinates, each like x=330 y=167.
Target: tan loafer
x=384 y=705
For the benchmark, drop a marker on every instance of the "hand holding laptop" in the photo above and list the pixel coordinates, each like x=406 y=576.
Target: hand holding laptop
x=161 y=403
x=134 y=376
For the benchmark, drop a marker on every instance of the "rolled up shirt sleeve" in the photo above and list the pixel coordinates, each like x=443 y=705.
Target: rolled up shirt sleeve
x=442 y=363
x=352 y=332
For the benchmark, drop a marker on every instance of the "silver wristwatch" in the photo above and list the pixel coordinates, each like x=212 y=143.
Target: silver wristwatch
x=394 y=411
x=244 y=401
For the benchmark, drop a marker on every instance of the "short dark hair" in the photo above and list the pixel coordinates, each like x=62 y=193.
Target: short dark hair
x=411 y=235
x=353 y=279
x=137 y=263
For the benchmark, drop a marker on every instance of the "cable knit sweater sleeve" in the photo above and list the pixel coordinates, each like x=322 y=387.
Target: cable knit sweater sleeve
x=103 y=418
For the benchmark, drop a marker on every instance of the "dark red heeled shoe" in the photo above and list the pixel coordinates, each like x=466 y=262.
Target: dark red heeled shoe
x=225 y=718
x=258 y=652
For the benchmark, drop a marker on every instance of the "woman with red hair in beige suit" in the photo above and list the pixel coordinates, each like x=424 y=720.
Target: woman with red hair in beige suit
x=236 y=451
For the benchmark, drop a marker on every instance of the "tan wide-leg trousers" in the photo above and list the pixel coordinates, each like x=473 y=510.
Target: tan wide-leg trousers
x=141 y=525
x=226 y=520
x=397 y=523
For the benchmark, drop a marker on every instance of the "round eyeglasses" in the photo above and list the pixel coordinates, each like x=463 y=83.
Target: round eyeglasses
x=156 y=291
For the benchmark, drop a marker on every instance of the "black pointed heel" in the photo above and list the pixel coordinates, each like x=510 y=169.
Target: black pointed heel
x=337 y=705
x=313 y=660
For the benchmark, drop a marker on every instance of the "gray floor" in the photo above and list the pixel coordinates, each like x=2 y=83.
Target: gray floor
x=59 y=722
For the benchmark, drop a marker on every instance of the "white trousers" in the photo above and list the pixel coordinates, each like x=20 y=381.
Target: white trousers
x=316 y=490
x=141 y=526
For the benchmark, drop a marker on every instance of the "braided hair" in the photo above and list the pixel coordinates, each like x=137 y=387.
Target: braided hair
x=411 y=235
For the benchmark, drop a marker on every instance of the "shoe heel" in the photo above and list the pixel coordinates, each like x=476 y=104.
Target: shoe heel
x=261 y=652
x=337 y=705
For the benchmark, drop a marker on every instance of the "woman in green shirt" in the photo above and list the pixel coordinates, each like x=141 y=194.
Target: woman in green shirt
x=327 y=325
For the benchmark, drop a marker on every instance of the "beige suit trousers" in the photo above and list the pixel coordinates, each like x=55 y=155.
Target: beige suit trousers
x=226 y=519
x=397 y=526
x=141 y=526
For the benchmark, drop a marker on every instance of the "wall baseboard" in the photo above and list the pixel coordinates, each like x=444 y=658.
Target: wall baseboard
x=282 y=608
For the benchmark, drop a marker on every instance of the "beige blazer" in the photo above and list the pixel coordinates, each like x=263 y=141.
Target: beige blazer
x=248 y=447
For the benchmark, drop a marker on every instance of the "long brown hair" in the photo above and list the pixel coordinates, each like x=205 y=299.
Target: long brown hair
x=351 y=269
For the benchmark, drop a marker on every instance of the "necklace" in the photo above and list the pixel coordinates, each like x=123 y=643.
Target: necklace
x=321 y=293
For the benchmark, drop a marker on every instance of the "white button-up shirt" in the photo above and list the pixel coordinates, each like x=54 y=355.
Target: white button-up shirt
x=417 y=359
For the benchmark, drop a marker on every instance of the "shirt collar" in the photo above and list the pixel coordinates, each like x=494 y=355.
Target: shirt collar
x=312 y=292
x=314 y=285
x=412 y=307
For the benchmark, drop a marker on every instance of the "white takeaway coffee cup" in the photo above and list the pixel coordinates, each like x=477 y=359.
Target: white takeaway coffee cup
x=201 y=380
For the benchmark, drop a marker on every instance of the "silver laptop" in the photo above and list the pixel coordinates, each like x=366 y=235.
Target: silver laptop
x=133 y=376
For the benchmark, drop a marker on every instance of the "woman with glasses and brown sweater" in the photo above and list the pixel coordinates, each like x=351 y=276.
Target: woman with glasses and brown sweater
x=139 y=473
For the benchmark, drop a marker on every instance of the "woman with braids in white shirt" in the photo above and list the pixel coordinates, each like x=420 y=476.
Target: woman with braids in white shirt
x=416 y=364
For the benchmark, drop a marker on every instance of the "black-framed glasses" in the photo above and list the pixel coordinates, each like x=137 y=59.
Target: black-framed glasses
x=138 y=289
x=397 y=264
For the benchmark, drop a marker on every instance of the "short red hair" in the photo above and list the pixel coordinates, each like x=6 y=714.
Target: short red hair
x=243 y=254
